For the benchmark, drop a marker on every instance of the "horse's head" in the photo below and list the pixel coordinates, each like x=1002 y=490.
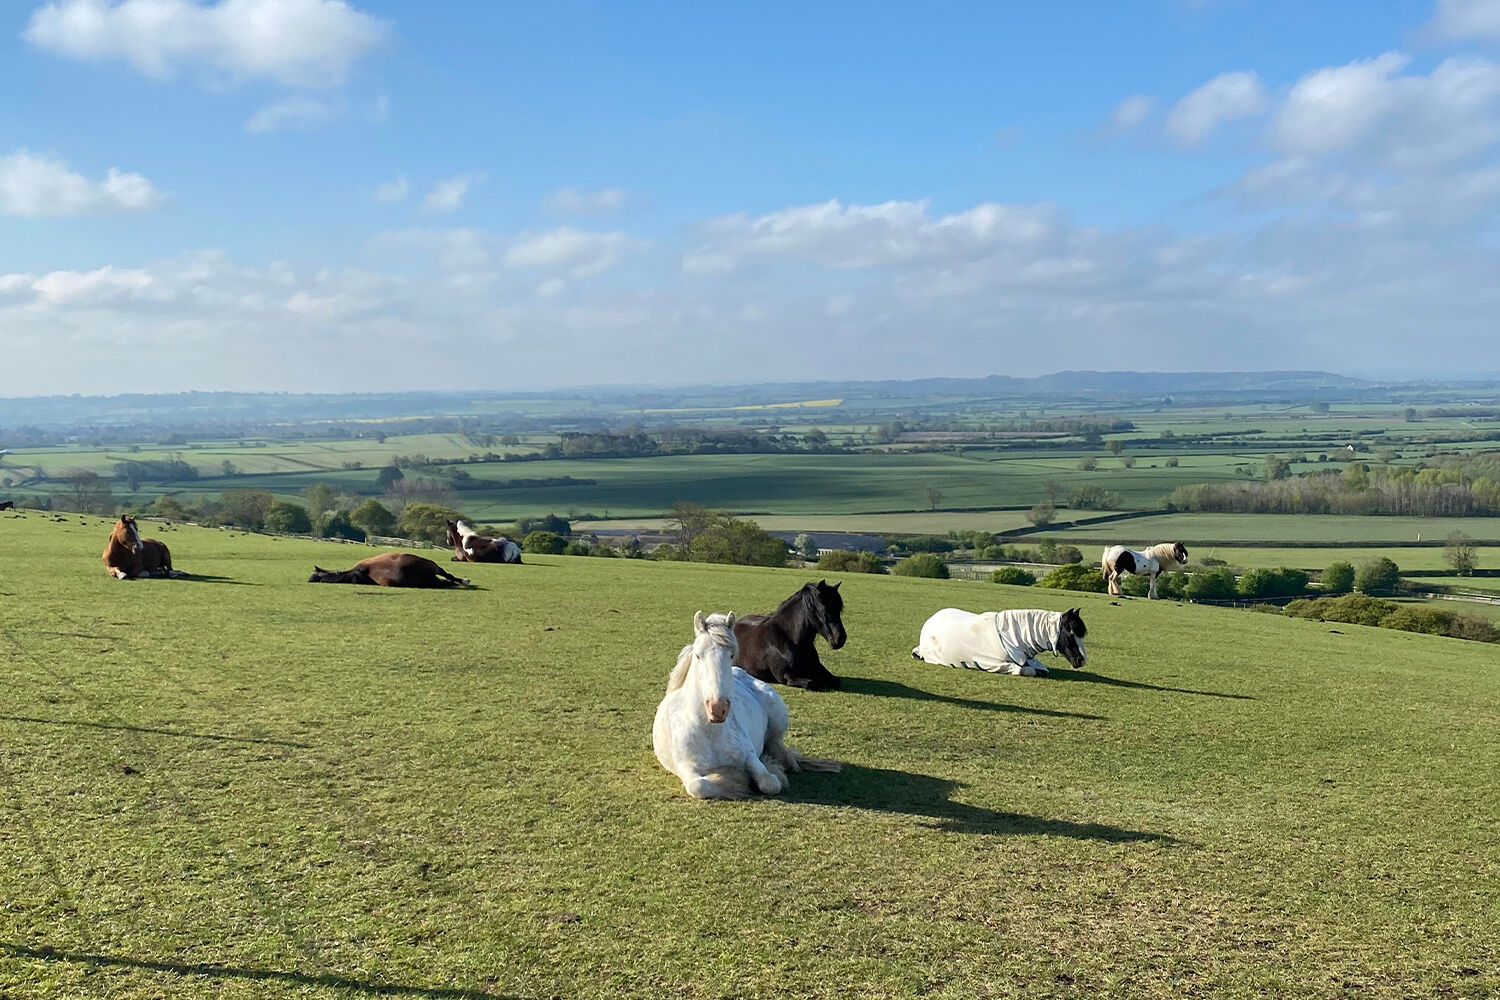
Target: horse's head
x=1179 y=552
x=1071 y=631
x=319 y=575
x=127 y=534
x=714 y=652
x=830 y=605
x=453 y=536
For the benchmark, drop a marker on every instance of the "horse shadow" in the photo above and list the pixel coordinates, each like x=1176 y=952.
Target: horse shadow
x=217 y=737
x=1090 y=677
x=885 y=790
x=895 y=689
x=207 y=578
x=46 y=953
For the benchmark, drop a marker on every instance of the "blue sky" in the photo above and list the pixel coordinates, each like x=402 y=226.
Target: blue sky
x=313 y=194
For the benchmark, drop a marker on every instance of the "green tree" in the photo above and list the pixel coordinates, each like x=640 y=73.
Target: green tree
x=1338 y=578
x=320 y=497
x=373 y=517
x=925 y=564
x=742 y=543
x=388 y=475
x=245 y=508
x=1074 y=576
x=1460 y=553
x=338 y=525
x=544 y=542
x=1211 y=585
x=847 y=561
x=1041 y=515
x=1277 y=468
x=805 y=546
x=1115 y=445
x=687 y=521
x=1283 y=582
x=427 y=522
x=1378 y=576
x=287 y=518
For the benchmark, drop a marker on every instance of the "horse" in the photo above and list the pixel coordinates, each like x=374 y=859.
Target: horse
x=781 y=647
x=720 y=730
x=391 y=569
x=1002 y=642
x=1152 y=562
x=470 y=546
x=128 y=556
x=7 y=505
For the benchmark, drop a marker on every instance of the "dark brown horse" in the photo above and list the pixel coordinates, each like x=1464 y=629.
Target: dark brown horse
x=470 y=546
x=7 y=505
x=391 y=569
x=128 y=555
x=781 y=647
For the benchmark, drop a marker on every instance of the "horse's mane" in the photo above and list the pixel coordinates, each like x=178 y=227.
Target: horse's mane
x=719 y=633
x=1164 y=553
x=800 y=597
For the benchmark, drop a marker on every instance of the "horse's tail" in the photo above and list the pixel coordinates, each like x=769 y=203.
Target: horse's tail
x=793 y=760
x=723 y=783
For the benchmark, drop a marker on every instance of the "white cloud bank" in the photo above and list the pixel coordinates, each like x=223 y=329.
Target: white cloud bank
x=1227 y=97
x=298 y=43
x=35 y=186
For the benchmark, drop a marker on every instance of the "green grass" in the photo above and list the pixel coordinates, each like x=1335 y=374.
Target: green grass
x=1409 y=558
x=1286 y=529
x=247 y=786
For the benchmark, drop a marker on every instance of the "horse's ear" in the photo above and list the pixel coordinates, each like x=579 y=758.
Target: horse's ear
x=731 y=621
x=836 y=586
x=699 y=625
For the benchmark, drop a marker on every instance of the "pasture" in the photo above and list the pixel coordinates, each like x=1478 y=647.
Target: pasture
x=246 y=786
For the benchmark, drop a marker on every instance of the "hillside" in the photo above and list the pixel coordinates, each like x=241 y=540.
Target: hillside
x=243 y=785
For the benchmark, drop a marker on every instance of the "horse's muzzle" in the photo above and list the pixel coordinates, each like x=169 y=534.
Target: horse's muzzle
x=837 y=639
x=718 y=709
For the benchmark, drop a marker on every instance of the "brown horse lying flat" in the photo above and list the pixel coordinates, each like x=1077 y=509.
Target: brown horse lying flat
x=391 y=569
x=128 y=555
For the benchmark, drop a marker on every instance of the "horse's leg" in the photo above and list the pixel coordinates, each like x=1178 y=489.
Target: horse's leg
x=1151 y=594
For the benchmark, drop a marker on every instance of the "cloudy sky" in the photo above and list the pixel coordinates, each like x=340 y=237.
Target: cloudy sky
x=371 y=194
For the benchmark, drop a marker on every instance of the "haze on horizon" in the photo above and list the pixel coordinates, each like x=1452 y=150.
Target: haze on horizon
x=321 y=195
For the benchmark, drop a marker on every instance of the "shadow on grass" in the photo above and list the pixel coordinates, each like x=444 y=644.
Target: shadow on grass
x=1093 y=678
x=157 y=732
x=48 y=954
x=895 y=689
x=205 y=578
x=925 y=795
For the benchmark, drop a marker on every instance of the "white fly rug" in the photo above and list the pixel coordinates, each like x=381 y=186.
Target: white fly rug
x=1002 y=642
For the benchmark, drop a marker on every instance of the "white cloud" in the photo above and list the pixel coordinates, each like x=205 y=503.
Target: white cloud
x=581 y=253
x=1130 y=112
x=574 y=200
x=32 y=185
x=1404 y=121
x=393 y=191
x=293 y=112
x=1227 y=97
x=90 y=288
x=299 y=43
x=1456 y=20
x=449 y=195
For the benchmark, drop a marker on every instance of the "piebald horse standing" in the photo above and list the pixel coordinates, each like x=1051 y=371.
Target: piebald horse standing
x=470 y=546
x=720 y=730
x=1152 y=562
x=128 y=556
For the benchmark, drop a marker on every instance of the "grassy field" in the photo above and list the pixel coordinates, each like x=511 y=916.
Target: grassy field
x=1409 y=559
x=1284 y=528
x=245 y=786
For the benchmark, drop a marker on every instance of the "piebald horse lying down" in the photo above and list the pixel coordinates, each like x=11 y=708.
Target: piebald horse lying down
x=1152 y=562
x=391 y=569
x=1002 y=642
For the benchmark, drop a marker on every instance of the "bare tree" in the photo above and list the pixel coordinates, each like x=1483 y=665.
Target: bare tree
x=89 y=493
x=1041 y=514
x=934 y=497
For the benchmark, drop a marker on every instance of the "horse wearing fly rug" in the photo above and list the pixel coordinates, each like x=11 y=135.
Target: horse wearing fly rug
x=720 y=730
x=470 y=546
x=128 y=556
x=1152 y=562
x=1002 y=642
x=391 y=569
x=782 y=647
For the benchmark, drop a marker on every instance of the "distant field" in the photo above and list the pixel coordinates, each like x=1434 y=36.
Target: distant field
x=927 y=523
x=1483 y=583
x=1409 y=558
x=1286 y=527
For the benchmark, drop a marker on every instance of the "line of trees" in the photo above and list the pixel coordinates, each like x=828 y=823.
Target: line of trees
x=1450 y=488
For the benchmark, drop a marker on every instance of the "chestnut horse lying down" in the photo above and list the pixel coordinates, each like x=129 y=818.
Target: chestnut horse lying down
x=128 y=556
x=391 y=569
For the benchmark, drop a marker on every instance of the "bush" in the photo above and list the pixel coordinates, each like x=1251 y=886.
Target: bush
x=1211 y=585
x=1379 y=576
x=925 y=564
x=1013 y=576
x=426 y=521
x=553 y=523
x=1338 y=578
x=575 y=548
x=1049 y=551
x=245 y=508
x=1412 y=618
x=1168 y=585
x=1281 y=582
x=544 y=542
x=1074 y=576
x=287 y=518
x=1351 y=609
x=740 y=543
x=338 y=525
x=1041 y=515
x=845 y=561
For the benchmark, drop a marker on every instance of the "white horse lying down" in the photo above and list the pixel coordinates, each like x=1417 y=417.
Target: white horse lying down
x=1002 y=642
x=719 y=729
x=1153 y=562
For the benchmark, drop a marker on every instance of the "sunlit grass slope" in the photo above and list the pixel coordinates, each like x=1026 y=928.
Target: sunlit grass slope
x=247 y=786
